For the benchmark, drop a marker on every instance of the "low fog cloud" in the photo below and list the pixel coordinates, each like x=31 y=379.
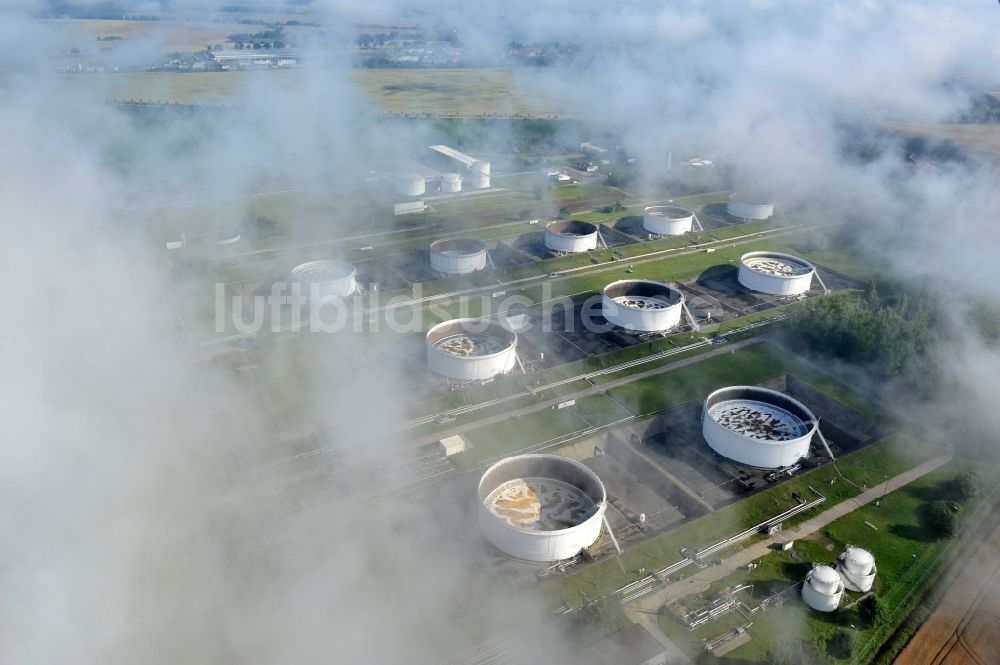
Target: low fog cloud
x=138 y=525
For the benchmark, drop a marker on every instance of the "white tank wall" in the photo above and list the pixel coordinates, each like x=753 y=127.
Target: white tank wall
x=480 y=180
x=820 y=595
x=413 y=186
x=745 y=210
x=318 y=288
x=458 y=264
x=666 y=225
x=640 y=319
x=753 y=452
x=542 y=546
x=471 y=368
x=776 y=285
x=570 y=243
x=451 y=183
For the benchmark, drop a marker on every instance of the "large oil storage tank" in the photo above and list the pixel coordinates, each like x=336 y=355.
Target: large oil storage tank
x=667 y=220
x=857 y=568
x=479 y=173
x=459 y=256
x=567 y=235
x=412 y=184
x=642 y=305
x=775 y=273
x=451 y=183
x=757 y=427
x=541 y=507
x=822 y=589
x=316 y=280
x=750 y=206
x=471 y=349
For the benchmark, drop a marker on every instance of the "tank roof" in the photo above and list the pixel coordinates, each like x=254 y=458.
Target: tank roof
x=825 y=574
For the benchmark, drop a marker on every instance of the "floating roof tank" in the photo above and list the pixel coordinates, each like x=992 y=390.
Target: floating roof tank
x=471 y=349
x=541 y=507
x=458 y=257
x=316 y=280
x=667 y=220
x=567 y=235
x=857 y=568
x=775 y=273
x=757 y=427
x=750 y=206
x=822 y=589
x=642 y=305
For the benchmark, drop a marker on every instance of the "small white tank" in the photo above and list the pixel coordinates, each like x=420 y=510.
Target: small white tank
x=451 y=183
x=857 y=568
x=822 y=589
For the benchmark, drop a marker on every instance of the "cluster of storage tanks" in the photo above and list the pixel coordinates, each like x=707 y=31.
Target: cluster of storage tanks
x=823 y=587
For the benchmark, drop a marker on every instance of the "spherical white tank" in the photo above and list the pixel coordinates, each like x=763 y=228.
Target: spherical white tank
x=822 y=589
x=775 y=273
x=749 y=206
x=667 y=220
x=471 y=349
x=457 y=257
x=451 y=183
x=857 y=568
x=566 y=235
x=541 y=507
x=642 y=305
x=757 y=427
x=316 y=280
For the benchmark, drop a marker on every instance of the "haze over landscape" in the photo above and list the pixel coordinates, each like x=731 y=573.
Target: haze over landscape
x=256 y=413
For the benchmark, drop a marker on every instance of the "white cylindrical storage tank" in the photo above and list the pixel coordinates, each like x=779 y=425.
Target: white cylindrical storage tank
x=857 y=568
x=541 y=507
x=451 y=183
x=667 y=220
x=412 y=184
x=775 y=273
x=480 y=180
x=822 y=589
x=750 y=206
x=457 y=257
x=757 y=427
x=642 y=305
x=316 y=280
x=471 y=349
x=567 y=235
x=223 y=237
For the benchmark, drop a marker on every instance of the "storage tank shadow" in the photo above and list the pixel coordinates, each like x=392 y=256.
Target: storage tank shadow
x=541 y=508
x=757 y=427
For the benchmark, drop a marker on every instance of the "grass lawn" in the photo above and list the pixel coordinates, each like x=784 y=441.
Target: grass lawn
x=905 y=550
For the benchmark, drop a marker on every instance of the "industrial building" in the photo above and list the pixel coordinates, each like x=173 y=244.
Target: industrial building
x=642 y=305
x=750 y=206
x=857 y=568
x=459 y=256
x=541 y=507
x=757 y=427
x=477 y=170
x=822 y=589
x=775 y=273
x=316 y=280
x=237 y=58
x=667 y=220
x=471 y=349
x=566 y=235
